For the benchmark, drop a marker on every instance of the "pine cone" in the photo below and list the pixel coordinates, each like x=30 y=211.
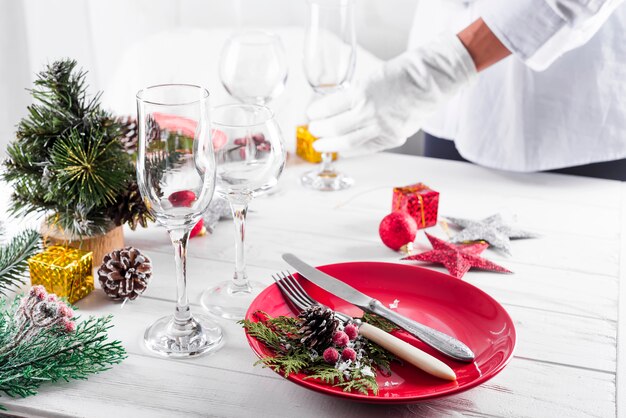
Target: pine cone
x=124 y=273
x=129 y=132
x=317 y=326
x=130 y=208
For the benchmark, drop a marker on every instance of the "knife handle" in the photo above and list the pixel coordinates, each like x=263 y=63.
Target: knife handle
x=407 y=352
x=441 y=342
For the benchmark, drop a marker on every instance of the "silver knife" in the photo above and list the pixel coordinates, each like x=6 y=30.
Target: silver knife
x=441 y=342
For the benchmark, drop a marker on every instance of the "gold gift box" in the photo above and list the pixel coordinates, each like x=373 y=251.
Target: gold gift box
x=63 y=271
x=304 y=146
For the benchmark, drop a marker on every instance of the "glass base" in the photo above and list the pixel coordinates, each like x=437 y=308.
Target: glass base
x=167 y=338
x=326 y=180
x=229 y=302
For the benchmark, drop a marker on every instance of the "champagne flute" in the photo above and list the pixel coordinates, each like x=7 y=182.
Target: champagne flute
x=329 y=61
x=253 y=67
x=250 y=158
x=176 y=177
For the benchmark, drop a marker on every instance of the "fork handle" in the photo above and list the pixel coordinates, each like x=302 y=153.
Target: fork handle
x=407 y=352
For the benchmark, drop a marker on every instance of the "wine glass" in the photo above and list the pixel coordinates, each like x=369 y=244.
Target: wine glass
x=250 y=158
x=176 y=177
x=329 y=61
x=253 y=67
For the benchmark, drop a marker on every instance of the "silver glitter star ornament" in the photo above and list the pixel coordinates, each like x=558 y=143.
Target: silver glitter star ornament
x=491 y=229
x=218 y=209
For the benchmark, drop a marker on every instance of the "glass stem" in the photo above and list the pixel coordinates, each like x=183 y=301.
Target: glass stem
x=182 y=315
x=327 y=162
x=239 y=209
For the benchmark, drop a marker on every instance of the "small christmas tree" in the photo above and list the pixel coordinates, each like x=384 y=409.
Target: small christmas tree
x=68 y=159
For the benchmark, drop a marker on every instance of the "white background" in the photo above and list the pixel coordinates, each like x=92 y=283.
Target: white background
x=98 y=32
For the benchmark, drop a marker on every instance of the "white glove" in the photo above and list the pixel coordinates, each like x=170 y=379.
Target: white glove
x=393 y=103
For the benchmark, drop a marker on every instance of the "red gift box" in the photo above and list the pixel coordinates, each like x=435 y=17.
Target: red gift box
x=419 y=201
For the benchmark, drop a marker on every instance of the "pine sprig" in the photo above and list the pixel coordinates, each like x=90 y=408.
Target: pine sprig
x=13 y=257
x=379 y=322
x=295 y=362
x=332 y=376
x=264 y=333
x=280 y=336
x=363 y=384
x=51 y=355
x=67 y=160
x=89 y=168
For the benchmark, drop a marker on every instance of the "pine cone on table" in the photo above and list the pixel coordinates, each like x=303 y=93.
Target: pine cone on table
x=130 y=132
x=317 y=326
x=125 y=273
x=130 y=208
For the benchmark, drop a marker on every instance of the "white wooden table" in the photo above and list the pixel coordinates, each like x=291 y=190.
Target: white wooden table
x=564 y=298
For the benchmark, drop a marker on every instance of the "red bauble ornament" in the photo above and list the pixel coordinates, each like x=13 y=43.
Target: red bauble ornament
x=198 y=230
x=185 y=198
x=182 y=198
x=397 y=230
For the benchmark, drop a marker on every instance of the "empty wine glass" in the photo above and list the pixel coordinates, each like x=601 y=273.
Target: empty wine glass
x=176 y=177
x=250 y=157
x=329 y=61
x=253 y=67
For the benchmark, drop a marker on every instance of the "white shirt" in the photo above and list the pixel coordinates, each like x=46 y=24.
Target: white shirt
x=560 y=101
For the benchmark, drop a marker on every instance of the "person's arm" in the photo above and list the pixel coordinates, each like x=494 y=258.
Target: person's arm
x=483 y=46
x=395 y=100
x=539 y=31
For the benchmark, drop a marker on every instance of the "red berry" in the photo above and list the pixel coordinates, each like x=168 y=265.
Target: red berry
x=352 y=331
x=259 y=138
x=183 y=198
x=348 y=354
x=340 y=339
x=264 y=147
x=397 y=229
x=199 y=229
x=331 y=355
x=68 y=325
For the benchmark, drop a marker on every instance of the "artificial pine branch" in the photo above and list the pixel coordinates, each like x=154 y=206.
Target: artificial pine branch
x=281 y=336
x=67 y=160
x=379 y=322
x=40 y=342
x=89 y=168
x=14 y=256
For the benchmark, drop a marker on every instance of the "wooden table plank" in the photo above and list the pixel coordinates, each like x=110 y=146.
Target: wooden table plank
x=543 y=337
x=563 y=298
x=147 y=386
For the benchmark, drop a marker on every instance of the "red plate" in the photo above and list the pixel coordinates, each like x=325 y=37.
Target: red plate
x=432 y=298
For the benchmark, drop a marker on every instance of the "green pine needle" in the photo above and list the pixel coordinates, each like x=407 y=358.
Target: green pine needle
x=335 y=377
x=88 y=168
x=379 y=322
x=287 y=365
x=67 y=160
x=52 y=356
x=13 y=259
x=280 y=335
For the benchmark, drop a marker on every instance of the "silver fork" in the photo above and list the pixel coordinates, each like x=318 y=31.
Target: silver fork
x=293 y=290
x=295 y=293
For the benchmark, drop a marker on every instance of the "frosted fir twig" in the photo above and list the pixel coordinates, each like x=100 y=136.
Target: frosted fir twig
x=42 y=341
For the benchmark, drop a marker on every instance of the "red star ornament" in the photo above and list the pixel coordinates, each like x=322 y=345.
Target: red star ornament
x=458 y=259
